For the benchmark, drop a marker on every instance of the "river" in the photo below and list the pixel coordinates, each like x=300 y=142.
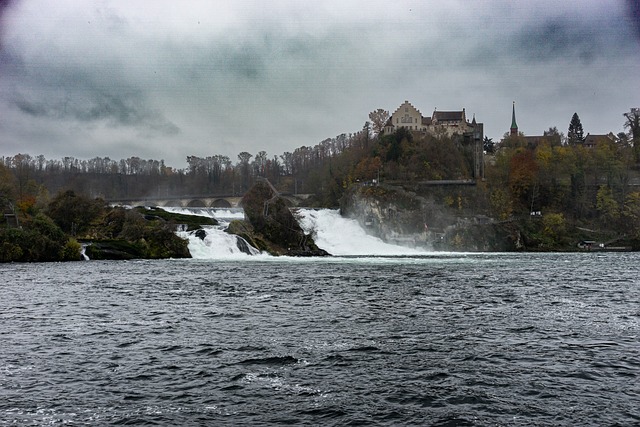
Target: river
x=382 y=336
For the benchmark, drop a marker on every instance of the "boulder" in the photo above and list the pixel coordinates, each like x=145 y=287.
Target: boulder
x=271 y=226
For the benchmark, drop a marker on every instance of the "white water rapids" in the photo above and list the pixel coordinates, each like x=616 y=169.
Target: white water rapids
x=337 y=235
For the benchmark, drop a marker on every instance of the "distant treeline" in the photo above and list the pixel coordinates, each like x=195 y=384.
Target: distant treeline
x=136 y=177
x=325 y=169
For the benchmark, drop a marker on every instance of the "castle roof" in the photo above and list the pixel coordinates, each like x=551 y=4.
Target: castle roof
x=533 y=140
x=407 y=103
x=448 y=116
x=592 y=140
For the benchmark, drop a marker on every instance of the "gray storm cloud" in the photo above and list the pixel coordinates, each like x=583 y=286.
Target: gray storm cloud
x=633 y=15
x=4 y=8
x=172 y=82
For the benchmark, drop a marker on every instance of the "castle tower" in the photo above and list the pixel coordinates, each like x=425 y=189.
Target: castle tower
x=514 y=125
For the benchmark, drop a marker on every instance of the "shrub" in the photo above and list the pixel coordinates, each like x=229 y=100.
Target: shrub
x=554 y=229
x=9 y=251
x=28 y=245
x=71 y=250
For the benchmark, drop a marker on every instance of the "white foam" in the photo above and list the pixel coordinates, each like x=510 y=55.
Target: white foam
x=221 y=214
x=216 y=245
x=343 y=236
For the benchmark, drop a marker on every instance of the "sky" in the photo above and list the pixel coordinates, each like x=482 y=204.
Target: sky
x=161 y=79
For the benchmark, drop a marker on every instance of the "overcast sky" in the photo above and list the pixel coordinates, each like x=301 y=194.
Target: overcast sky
x=167 y=79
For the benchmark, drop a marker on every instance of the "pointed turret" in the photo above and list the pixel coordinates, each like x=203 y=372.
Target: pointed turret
x=514 y=125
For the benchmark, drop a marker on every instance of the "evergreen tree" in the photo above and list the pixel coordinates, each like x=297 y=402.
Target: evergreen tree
x=576 y=133
x=488 y=145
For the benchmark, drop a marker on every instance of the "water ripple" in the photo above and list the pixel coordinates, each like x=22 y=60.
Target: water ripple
x=486 y=339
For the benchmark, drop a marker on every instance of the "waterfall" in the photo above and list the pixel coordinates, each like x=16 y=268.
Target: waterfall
x=344 y=237
x=337 y=235
x=83 y=252
x=212 y=242
x=217 y=244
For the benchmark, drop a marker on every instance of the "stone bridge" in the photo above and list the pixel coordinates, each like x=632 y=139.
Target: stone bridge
x=205 y=201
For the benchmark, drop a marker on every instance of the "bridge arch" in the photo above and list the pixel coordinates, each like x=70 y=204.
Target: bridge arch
x=172 y=204
x=221 y=203
x=196 y=203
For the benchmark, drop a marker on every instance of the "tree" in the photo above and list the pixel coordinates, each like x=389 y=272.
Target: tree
x=523 y=175
x=501 y=204
x=633 y=123
x=576 y=133
x=243 y=162
x=488 y=145
x=554 y=136
x=553 y=228
x=260 y=163
x=607 y=205
x=631 y=214
x=368 y=168
x=73 y=213
x=378 y=120
x=365 y=135
x=622 y=138
x=401 y=137
x=7 y=187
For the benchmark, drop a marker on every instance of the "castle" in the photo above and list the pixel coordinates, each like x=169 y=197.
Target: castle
x=441 y=123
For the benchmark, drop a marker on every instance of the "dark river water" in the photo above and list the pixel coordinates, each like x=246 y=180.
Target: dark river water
x=442 y=340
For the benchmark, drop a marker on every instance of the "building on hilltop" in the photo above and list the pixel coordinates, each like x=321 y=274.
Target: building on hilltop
x=441 y=123
x=590 y=141
x=406 y=116
x=452 y=124
x=532 y=141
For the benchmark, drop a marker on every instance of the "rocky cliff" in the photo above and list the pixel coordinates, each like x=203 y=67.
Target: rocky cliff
x=429 y=219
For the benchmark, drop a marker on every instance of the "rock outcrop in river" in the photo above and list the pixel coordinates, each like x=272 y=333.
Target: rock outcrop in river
x=270 y=225
x=140 y=233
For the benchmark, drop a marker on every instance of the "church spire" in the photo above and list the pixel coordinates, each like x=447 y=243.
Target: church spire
x=514 y=125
